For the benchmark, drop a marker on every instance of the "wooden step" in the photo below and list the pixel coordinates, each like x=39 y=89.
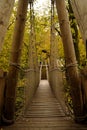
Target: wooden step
x=45 y=113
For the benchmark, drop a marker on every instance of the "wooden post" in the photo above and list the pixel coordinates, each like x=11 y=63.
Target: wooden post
x=5 y=13
x=70 y=58
x=80 y=11
x=84 y=87
x=32 y=76
x=9 y=107
x=2 y=89
x=75 y=35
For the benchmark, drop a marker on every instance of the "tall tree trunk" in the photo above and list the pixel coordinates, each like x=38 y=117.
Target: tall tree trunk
x=70 y=60
x=53 y=44
x=6 y=7
x=80 y=11
x=9 y=107
x=74 y=32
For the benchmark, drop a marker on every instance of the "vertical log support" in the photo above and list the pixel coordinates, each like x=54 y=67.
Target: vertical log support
x=70 y=60
x=53 y=48
x=32 y=76
x=2 y=90
x=84 y=87
x=9 y=106
x=5 y=13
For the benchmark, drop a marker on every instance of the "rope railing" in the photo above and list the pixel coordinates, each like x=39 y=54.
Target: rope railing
x=22 y=69
x=32 y=74
x=56 y=71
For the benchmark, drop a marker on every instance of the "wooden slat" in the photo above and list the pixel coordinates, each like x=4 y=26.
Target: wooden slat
x=45 y=113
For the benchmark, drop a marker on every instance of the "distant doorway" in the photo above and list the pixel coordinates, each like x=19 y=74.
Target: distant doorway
x=43 y=72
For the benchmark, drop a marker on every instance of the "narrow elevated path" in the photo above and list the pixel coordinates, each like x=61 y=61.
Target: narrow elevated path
x=45 y=113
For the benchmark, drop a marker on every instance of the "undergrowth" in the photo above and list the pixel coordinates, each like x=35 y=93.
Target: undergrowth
x=20 y=96
x=68 y=98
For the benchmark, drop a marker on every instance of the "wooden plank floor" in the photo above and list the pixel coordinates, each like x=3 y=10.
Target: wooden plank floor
x=45 y=113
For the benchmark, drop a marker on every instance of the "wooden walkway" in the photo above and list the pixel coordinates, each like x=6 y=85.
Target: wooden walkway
x=45 y=113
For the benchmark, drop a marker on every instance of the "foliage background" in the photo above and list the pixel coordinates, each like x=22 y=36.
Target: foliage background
x=42 y=30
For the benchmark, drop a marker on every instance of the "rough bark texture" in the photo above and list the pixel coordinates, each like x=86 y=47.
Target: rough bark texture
x=15 y=59
x=2 y=90
x=80 y=11
x=32 y=76
x=53 y=42
x=70 y=59
x=84 y=86
x=74 y=32
x=6 y=7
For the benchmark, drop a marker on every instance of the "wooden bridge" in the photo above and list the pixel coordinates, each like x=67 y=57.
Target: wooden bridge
x=44 y=107
x=45 y=113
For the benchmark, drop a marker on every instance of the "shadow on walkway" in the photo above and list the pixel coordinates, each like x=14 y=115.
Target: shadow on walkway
x=44 y=113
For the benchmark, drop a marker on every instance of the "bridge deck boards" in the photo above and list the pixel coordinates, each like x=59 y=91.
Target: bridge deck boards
x=45 y=113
